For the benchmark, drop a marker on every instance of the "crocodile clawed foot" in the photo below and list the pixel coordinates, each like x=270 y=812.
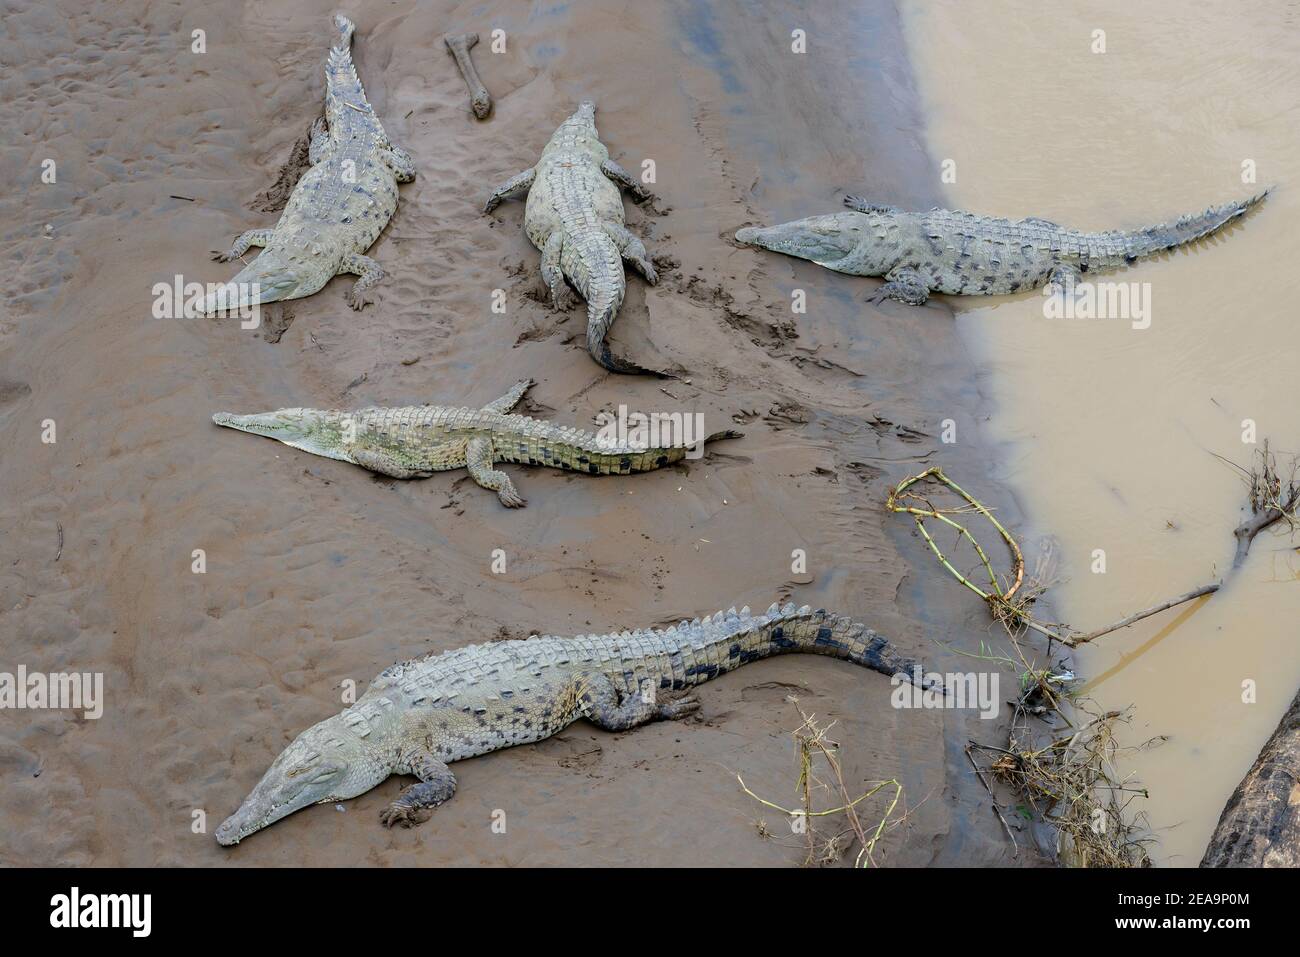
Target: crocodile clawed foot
x=877 y=297
x=563 y=299
x=511 y=499
x=224 y=255
x=679 y=708
x=400 y=813
x=358 y=300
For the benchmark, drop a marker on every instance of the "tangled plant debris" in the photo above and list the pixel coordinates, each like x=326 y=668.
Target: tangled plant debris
x=823 y=848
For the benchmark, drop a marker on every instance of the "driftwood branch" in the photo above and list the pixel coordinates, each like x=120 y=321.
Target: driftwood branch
x=1076 y=640
x=1270 y=502
x=480 y=100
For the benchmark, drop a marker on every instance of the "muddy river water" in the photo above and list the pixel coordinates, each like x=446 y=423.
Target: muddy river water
x=1115 y=115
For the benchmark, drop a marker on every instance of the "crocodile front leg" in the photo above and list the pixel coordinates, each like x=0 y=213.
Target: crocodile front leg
x=621 y=176
x=512 y=188
x=254 y=237
x=562 y=297
x=478 y=459
x=320 y=141
x=598 y=701
x=437 y=785
x=904 y=284
x=370 y=273
x=633 y=250
x=862 y=206
x=400 y=162
x=508 y=401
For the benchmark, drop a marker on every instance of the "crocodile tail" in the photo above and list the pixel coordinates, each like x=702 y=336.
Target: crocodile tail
x=606 y=286
x=705 y=648
x=1146 y=242
x=346 y=28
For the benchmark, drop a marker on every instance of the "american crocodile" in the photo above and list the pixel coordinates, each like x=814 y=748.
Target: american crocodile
x=419 y=716
x=416 y=441
x=339 y=207
x=574 y=215
x=962 y=254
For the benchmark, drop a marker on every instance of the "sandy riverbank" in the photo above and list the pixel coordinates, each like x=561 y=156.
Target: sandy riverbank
x=318 y=572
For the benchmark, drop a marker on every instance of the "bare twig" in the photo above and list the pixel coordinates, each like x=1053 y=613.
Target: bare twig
x=1270 y=501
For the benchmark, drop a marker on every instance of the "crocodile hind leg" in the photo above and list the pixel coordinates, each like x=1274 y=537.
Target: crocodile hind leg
x=478 y=459
x=562 y=297
x=511 y=399
x=633 y=250
x=437 y=785
x=904 y=284
x=254 y=237
x=1062 y=279
x=515 y=186
x=370 y=273
x=400 y=162
x=621 y=176
x=598 y=702
x=320 y=141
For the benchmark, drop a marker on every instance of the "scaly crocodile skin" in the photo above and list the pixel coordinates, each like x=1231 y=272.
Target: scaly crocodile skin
x=964 y=254
x=416 y=441
x=339 y=207
x=574 y=215
x=419 y=716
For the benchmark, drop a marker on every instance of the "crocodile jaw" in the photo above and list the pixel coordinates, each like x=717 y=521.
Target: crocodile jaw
x=324 y=764
x=822 y=239
x=308 y=429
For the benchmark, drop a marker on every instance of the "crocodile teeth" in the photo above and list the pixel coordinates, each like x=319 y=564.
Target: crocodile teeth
x=731 y=612
x=773 y=609
x=744 y=612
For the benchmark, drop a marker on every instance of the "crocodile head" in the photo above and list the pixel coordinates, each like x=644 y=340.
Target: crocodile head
x=325 y=763
x=268 y=278
x=312 y=430
x=580 y=126
x=823 y=239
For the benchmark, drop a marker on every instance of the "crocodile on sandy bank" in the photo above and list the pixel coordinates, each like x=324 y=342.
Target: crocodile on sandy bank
x=419 y=716
x=574 y=215
x=339 y=207
x=962 y=254
x=416 y=441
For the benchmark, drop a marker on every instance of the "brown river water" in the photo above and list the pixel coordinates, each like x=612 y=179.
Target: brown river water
x=1107 y=432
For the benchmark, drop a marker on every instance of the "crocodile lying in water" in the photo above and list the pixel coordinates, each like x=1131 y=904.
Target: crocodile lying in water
x=574 y=215
x=416 y=441
x=339 y=207
x=419 y=716
x=962 y=254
